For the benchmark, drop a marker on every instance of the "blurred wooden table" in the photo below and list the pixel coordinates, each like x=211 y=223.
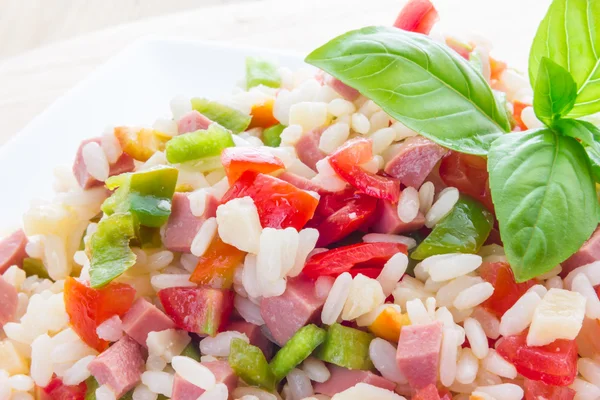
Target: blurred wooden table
x=30 y=82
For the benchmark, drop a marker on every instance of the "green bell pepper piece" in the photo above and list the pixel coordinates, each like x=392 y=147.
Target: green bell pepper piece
x=346 y=347
x=297 y=349
x=146 y=194
x=192 y=351
x=149 y=238
x=464 y=230
x=110 y=252
x=230 y=118
x=249 y=363
x=272 y=136
x=198 y=145
x=34 y=266
x=261 y=72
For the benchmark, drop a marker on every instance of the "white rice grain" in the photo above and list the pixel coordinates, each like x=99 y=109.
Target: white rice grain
x=417 y=313
x=581 y=284
x=477 y=338
x=402 y=131
x=249 y=392
x=78 y=372
x=383 y=355
x=504 y=391
x=380 y=120
x=299 y=384
x=164 y=281
x=21 y=383
x=426 y=195
x=473 y=296
x=194 y=372
x=340 y=107
x=496 y=364
x=159 y=260
x=95 y=161
x=408 y=205
x=449 y=266
x=360 y=123
x=159 y=382
x=442 y=207
x=142 y=392
x=365 y=295
x=239 y=224
x=539 y=289
x=387 y=238
x=467 y=366
x=316 y=369
x=555 y=282
x=382 y=138
x=41 y=361
x=204 y=237
x=529 y=118
x=105 y=393
x=335 y=300
x=392 y=272
x=590 y=370
x=307 y=240
x=111 y=146
x=219 y=392
x=517 y=318
x=291 y=135
x=585 y=390
x=249 y=311
x=308 y=114
x=333 y=137
x=111 y=329
x=167 y=343
x=55 y=257
x=219 y=345
x=276 y=254
x=448 y=356
x=198 y=200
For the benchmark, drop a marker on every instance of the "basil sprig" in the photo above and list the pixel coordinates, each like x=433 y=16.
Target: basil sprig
x=542 y=181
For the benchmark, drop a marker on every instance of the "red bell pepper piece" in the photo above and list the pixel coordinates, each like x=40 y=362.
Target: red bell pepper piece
x=553 y=364
x=337 y=261
x=87 y=308
x=467 y=173
x=506 y=290
x=57 y=390
x=279 y=203
x=237 y=160
x=370 y=272
x=518 y=108
x=202 y=310
x=346 y=163
x=536 y=390
x=417 y=16
x=217 y=266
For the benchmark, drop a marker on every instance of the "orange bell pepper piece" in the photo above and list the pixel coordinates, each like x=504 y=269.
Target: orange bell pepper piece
x=217 y=266
x=517 y=110
x=389 y=323
x=142 y=143
x=262 y=115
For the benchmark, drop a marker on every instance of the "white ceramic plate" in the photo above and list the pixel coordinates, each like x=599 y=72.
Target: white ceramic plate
x=133 y=88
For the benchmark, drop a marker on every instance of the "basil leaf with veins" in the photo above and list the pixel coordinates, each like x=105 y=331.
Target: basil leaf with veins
x=544 y=196
x=555 y=92
x=419 y=82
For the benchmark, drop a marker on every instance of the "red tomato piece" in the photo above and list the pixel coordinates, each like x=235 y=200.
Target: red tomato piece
x=337 y=261
x=202 y=310
x=340 y=214
x=346 y=160
x=87 y=308
x=552 y=364
x=467 y=173
x=506 y=290
x=429 y=392
x=417 y=16
x=237 y=160
x=57 y=390
x=517 y=110
x=217 y=266
x=279 y=203
x=536 y=390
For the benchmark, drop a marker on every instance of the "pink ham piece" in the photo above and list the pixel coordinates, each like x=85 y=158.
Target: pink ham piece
x=587 y=254
x=300 y=182
x=296 y=307
x=12 y=250
x=254 y=334
x=386 y=220
x=192 y=121
x=143 y=318
x=418 y=353
x=182 y=225
x=8 y=302
x=184 y=390
x=343 y=378
x=415 y=159
x=120 y=367
x=85 y=180
x=341 y=88
x=308 y=150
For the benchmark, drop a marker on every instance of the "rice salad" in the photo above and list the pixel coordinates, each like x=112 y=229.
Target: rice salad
x=413 y=219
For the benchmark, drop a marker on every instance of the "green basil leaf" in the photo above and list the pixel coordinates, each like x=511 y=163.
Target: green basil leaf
x=584 y=131
x=555 y=92
x=544 y=197
x=421 y=83
x=569 y=35
x=594 y=156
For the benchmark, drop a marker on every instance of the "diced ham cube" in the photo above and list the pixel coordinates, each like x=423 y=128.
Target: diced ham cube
x=587 y=254
x=182 y=225
x=254 y=334
x=192 y=121
x=343 y=378
x=12 y=250
x=85 y=180
x=308 y=150
x=347 y=92
x=8 y=302
x=418 y=353
x=300 y=182
x=143 y=318
x=184 y=390
x=120 y=367
x=415 y=159
x=386 y=220
x=296 y=307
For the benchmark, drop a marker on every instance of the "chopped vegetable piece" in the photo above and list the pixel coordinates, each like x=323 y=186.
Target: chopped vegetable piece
x=346 y=347
x=261 y=72
x=91 y=386
x=201 y=310
x=230 y=118
x=142 y=143
x=199 y=145
x=57 y=390
x=262 y=115
x=467 y=173
x=34 y=266
x=237 y=160
x=87 y=308
x=518 y=108
x=110 y=252
x=553 y=364
x=149 y=238
x=280 y=204
x=217 y=266
x=249 y=363
x=506 y=290
x=272 y=136
x=340 y=260
x=146 y=194
x=536 y=390
x=417 y=16
x=464 y=230
x=296 y=350
x=192 y=351
x=389 y=323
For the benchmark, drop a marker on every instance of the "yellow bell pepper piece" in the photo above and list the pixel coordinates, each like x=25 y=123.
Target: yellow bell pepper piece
x=389 y=323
